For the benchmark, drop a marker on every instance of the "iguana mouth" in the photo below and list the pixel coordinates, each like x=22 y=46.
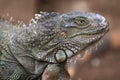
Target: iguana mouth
x=88 y=37
x=88 y=43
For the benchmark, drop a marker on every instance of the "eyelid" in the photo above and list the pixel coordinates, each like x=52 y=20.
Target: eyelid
x=77 y=19
x=80 y=17
x=82 y=27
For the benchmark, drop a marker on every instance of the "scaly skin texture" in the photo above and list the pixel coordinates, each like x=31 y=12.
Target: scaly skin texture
x=40 y=50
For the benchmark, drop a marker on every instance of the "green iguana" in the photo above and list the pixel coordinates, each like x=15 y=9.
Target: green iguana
x=44 y=46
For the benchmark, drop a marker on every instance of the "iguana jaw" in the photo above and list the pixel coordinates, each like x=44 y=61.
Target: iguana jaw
x=89 y=36
x=87 y=42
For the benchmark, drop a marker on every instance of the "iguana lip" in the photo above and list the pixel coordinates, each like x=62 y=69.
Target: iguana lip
x=89 y=33
x=87 y=39
x=94 y=32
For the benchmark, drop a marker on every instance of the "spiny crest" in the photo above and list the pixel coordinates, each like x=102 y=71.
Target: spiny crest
x=7 y=18
x=34 y=31
x=10 y=21
x=46 y=19
x=46 y=15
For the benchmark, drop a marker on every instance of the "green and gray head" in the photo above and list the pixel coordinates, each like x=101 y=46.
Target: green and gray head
x=57 y=37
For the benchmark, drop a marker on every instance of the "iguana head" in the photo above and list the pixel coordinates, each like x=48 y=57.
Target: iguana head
x=86 y=27
x=74 y=32
x=80 y=30
x=77 y=31
x=55 y=37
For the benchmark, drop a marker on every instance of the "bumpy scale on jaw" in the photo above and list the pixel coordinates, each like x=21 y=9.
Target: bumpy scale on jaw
x=50 y=38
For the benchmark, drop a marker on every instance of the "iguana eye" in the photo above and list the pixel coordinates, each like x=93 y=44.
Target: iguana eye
x=60 y=56
x=81 y=21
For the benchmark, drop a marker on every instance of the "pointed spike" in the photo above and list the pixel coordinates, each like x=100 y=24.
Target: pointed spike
x=11 y=19
x=38 y=16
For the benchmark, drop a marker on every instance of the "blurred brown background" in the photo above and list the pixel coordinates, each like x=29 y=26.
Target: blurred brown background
x=104 y=64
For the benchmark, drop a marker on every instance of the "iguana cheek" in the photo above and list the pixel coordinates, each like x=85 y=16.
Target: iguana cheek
x=60 y=56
